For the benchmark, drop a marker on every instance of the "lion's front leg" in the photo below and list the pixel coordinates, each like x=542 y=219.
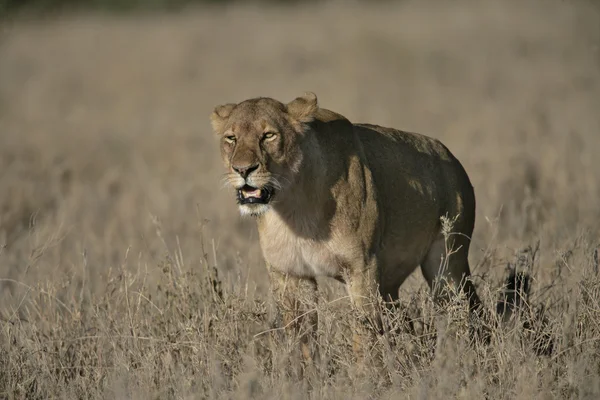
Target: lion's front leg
x=296 y=300
x=362 y=284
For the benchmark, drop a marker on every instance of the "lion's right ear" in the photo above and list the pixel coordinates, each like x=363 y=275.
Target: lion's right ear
x=303 y=108
x=219 y=116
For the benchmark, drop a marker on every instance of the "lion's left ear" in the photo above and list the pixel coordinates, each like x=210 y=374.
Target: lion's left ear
x=219 y=116
x=303 y=108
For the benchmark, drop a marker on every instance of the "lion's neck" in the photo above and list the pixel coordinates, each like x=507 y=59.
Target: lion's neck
x=308 y=214
x=308 y=205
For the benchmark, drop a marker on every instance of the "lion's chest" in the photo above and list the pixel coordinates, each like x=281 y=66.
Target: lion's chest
x=288 y=253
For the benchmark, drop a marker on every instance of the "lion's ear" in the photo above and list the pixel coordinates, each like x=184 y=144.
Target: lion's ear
x=219 y=116
x=303 y=108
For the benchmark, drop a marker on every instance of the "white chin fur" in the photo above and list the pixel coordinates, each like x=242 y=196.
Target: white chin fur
x=254 y=210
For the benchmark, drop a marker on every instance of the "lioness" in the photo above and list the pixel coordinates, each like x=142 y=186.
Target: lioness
x=356 y=202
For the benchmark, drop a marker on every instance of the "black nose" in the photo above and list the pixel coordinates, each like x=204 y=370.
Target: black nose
x=245 y=170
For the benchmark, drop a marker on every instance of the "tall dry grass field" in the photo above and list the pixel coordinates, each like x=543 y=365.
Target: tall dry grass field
x=126 y=271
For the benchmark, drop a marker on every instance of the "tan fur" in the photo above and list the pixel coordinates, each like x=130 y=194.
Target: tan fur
x=356 y=202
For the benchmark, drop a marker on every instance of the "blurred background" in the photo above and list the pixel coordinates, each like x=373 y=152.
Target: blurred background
x=107 y=159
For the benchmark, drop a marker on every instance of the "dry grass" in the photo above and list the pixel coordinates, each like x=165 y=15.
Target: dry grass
x=113 y=226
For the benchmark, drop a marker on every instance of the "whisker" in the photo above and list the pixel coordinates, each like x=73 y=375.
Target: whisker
x=276 y=178
x=224 y=185
x=287 y=180
x=224 y=182
x=275 y=183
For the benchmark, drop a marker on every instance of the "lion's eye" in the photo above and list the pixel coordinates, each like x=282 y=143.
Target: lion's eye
x=269 y=135
x=230 y=139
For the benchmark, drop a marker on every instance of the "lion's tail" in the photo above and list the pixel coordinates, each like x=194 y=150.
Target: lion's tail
x=515 y=305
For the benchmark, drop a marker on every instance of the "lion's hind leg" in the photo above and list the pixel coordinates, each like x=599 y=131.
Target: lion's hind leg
x=446 y=269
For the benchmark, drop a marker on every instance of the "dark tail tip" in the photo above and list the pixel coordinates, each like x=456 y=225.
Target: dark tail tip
x=515 y=299
x=516 y=293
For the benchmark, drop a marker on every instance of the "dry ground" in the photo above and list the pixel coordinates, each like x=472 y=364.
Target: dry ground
x=113 y=223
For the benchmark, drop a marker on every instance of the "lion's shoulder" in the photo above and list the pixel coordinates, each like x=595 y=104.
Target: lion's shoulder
x=401 y=140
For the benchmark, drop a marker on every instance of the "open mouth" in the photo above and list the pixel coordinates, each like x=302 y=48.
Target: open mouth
x=251 y=195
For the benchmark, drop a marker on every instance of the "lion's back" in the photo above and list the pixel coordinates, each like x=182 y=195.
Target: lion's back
x=418 y=173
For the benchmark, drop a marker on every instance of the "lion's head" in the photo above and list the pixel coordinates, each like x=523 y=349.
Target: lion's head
x=261 y=145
